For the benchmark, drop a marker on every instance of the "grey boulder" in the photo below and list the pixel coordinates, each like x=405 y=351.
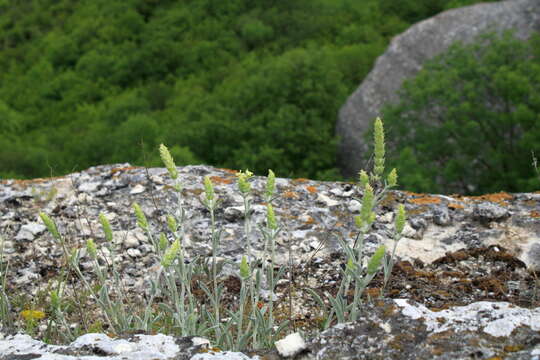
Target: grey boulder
x=406 y=55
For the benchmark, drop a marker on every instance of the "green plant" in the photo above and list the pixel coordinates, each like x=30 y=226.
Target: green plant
x=171 y=305
x=471 y=118
x=355 y=273
x=5 y=306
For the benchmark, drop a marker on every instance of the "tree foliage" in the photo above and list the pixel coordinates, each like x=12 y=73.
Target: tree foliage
x=470 y=119
x=237 y=83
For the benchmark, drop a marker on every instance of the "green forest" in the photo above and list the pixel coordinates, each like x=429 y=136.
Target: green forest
x=237 y=83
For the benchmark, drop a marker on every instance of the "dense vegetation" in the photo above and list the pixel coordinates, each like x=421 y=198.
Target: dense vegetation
x=236 y=83
x=470 y=119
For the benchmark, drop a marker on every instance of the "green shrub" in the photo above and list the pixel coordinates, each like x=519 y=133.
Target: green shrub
x=468 y=121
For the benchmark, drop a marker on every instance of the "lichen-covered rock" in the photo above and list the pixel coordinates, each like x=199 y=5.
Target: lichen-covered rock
x=409 y=51
x=486 y=244
x=404 y=330
x=102 y=347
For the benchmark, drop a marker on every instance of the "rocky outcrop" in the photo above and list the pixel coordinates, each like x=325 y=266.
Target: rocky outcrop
x=396 y=329
x=406 y=55
x=456 y=252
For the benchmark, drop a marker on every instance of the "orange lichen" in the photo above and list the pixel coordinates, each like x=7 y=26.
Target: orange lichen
x=123 y=169
x=30 y=181
x=309 y=221
x=230 y=171
x=219 y=180
x=410 y=193
x=425 y=200
x=290 y=195
x=455 y=206
x=311 y=189
x=535 y=214
x=373 y=292
x=301 y=180
x=513 y=348
x=500 y=198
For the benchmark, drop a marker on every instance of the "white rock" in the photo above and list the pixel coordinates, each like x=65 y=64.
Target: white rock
x=291 y=345
x=354 y=206
x=137 y=189
x=226 y=355
x=409 y=232
x=89 y=186
x=131 y=241
x=134 y=253
x=386 y=218
x=29 y=231
x=326 y=200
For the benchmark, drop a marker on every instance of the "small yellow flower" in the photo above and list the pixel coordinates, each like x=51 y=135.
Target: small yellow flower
x=243 y=185
x=30 y=315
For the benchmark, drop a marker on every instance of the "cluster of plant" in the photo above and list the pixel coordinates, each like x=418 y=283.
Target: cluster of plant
x=467 y=123
x=249 y=322
x=236 y=83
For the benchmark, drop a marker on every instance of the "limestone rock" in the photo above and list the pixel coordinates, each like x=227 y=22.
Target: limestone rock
x=407 y=53
x=405 y=330
x=459 y=241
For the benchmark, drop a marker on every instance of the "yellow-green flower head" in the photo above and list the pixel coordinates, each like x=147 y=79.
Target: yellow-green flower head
x=367 y=203
x=392 y=178
x=243 y=185
x=55 y=299
x=376 y=259
x=168 y=161
x=106 y=227
x=271 y=217
x=401 y=218
x=51 y=226
x=170 y=254
x=171 y=223
x=363 y=179
x=379 y=147
x=270 y=184
x=141 y=219
x=208 y=188
x=350 y=265
x=244 y=268
x=358 y=221
x=91 y=248
x=163 y=242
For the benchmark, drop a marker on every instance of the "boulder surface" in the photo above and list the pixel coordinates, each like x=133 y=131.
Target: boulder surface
x=464 y=272
x=407 y=53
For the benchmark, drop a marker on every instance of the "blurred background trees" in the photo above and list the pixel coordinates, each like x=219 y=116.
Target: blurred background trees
x=470 y=121
x=238 y=83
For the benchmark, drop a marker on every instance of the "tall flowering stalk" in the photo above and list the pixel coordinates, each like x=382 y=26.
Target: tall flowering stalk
x=211 y=203
x=355 y=273
x=183 y=304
